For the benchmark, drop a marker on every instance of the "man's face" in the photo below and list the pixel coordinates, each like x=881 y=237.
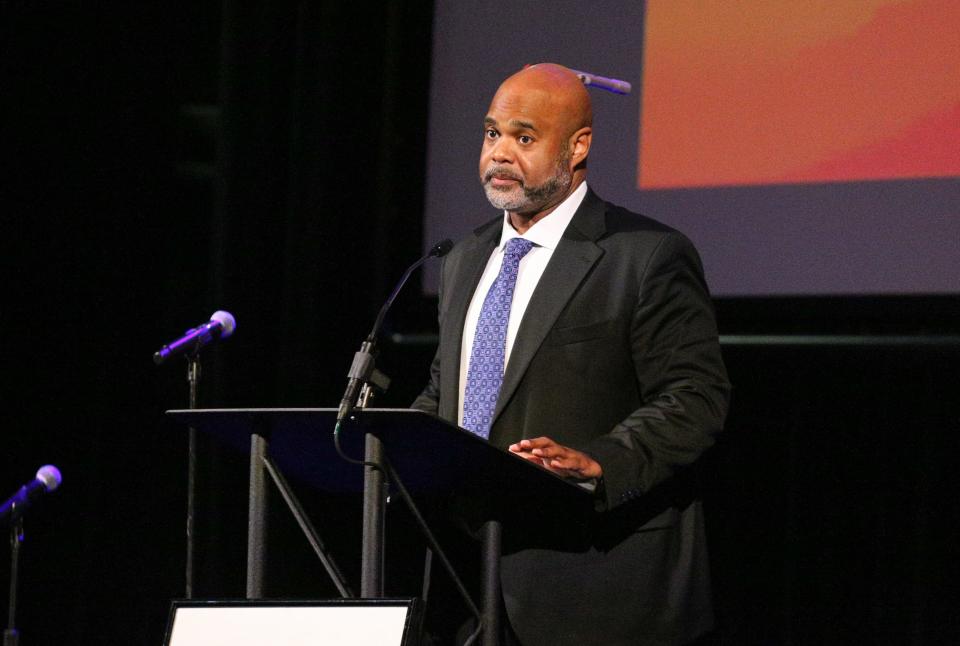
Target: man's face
x=525 y=159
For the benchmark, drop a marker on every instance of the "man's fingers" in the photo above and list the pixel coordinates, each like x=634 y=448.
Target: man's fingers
x=536 y=443
x=553 y=464
x=555 y=451
x=560 y=459
x=545 y=449
x=573 y=464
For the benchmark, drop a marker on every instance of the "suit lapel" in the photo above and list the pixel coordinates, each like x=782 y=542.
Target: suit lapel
x=570 y=263
x=462 y=282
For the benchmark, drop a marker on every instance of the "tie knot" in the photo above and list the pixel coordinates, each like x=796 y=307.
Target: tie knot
x=517 y=248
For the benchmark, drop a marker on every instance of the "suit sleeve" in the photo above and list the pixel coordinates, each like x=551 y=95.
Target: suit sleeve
x=680 y=373
x=429 y=400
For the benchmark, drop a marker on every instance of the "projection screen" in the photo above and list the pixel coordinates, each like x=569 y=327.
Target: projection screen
x=807 y=148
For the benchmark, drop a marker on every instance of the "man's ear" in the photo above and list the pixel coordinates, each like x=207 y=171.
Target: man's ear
x=580 y=145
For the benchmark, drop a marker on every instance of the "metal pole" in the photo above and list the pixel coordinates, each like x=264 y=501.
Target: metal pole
x=11 y=636
x=257 y=519
x=492 y=534
x=193 y=377
x=374 y=521
x=309 y=531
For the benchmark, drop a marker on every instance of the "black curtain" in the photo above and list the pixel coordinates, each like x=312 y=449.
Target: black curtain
x=160 y=162
x=831 y=501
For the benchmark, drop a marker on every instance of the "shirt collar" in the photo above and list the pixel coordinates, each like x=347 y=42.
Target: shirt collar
x=548 y=231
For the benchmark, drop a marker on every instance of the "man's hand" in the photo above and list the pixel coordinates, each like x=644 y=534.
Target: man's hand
x=560 y=459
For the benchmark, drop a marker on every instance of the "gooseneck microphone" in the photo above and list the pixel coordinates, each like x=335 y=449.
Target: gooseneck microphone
x=363 y=361
x=48 y=478
x=438 y=250
x=221 y=325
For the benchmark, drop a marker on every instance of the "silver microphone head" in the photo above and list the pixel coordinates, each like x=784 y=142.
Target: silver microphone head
x=49 y=475
x=226 y=321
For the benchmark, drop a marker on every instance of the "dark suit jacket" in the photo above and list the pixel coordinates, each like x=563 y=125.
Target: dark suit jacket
x=617 y=355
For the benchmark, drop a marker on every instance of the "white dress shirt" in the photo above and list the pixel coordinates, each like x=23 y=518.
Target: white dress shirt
x=545 y=236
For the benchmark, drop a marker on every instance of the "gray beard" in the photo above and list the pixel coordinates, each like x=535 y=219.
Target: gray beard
x=529 y=199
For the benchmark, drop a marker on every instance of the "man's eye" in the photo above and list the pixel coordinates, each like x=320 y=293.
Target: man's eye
x=525 y=139
x=490 y=133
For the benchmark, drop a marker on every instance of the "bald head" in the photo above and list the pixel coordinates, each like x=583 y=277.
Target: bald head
x=557 y=89
x=537 y=136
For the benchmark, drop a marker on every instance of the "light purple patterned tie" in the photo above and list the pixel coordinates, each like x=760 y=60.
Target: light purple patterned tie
x=485 y=373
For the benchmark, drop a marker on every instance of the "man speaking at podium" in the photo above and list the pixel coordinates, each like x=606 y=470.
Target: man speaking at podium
x=581 y=336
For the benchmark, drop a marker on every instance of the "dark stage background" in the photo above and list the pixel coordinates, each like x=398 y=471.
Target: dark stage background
x=163 y=161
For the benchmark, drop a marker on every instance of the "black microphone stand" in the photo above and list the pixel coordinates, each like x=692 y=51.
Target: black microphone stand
x=11 y=636
x=190 y=346
x=363 y=381
x=193 y=378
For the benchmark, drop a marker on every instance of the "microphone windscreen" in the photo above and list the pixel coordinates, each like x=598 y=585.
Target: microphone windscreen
x=227 y=323
x=49 y=475
x=442 y=248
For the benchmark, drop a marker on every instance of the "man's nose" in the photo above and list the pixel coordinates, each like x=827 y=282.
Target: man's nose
x=503 y=151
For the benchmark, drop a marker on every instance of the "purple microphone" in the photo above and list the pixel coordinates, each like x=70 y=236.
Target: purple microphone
x=221 y=325
x=48 y=478
x=610 y=85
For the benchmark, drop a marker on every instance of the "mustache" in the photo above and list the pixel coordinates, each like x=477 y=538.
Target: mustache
x=500 y=173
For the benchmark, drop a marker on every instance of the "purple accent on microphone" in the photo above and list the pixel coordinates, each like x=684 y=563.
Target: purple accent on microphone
x=610 y=85
x=221 y=325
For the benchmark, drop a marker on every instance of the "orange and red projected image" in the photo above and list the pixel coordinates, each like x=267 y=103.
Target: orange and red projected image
x=740 y=92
